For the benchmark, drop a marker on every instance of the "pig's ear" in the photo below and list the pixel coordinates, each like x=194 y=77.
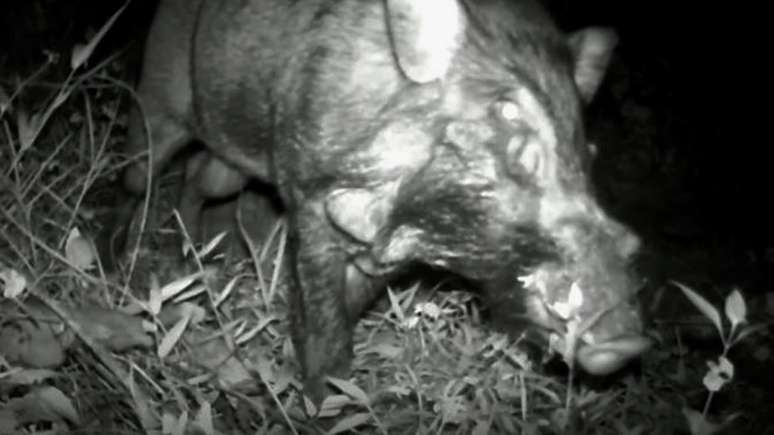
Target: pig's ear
x=361 y=213
x=425 y=36
x=592 y=48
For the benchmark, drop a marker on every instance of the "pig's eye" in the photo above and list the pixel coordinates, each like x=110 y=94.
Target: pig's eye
x=509 y=111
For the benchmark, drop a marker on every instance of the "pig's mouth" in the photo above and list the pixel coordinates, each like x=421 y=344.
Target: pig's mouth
x=608 y=357
x=594 y=327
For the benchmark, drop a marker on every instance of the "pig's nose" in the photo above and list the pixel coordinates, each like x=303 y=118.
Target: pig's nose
x=626 y=241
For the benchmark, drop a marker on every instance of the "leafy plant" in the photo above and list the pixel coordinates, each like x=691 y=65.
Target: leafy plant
x=720 y=372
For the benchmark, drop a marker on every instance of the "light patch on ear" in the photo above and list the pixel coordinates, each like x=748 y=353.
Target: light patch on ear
x=593 y=48
x=361 y=212
x=425 y=35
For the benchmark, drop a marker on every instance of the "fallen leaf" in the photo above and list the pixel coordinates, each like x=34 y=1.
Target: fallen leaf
x=14 y=283
x=173 y=313
x=114 y=329
x=216 y=356
x=43 y=404
x=31 y=343
x=79 y=250
x=34 y=336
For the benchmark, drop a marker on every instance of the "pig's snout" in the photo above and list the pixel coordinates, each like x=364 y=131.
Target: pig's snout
x=607 y=357
x=595 y=252
x=613 y=339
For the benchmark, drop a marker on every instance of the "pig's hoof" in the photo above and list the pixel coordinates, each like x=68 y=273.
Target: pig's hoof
x=315 y=389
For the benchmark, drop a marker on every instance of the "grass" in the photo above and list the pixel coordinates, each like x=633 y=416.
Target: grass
x=209 y=352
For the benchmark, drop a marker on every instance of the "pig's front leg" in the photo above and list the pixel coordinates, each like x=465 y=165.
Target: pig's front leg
x=322 y=327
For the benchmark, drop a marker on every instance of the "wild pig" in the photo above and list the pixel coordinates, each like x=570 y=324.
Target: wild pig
x=442 y=132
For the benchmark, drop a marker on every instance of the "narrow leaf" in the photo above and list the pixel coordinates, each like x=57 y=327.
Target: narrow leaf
x=310 y=407
x=226 y=292
x=351 y=390
x=703 y=305
x=332 y=405
x=154 y=300
x=395 y=304
x=82 y=52
x=172 y=337
x=212 y=244
x=173 y=288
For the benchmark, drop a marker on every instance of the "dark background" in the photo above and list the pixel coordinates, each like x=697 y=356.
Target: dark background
x=680 y=161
